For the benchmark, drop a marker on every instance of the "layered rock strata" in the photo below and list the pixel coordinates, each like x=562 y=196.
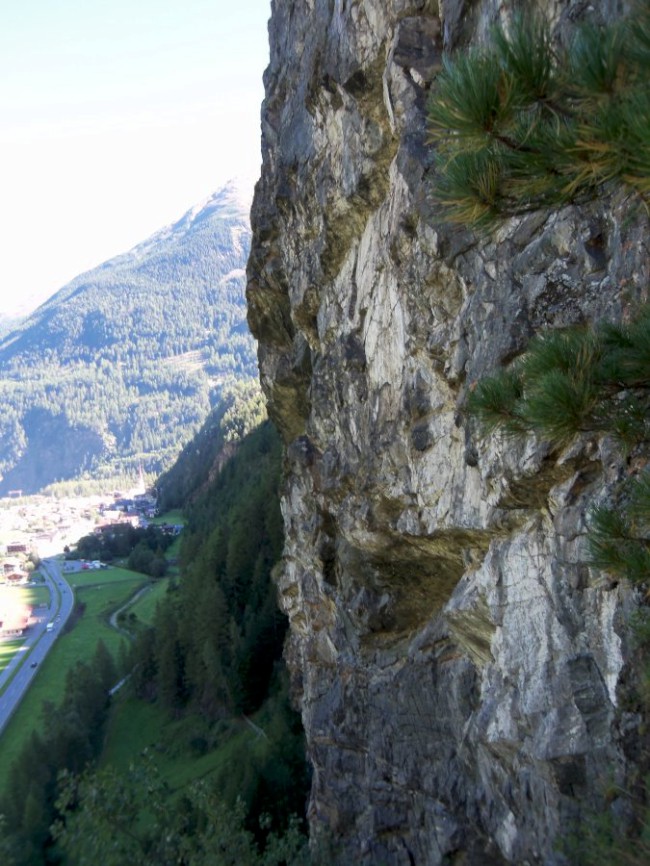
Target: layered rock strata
x=457 y=664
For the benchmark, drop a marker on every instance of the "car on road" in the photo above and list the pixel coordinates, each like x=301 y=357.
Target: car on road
x=34 y=664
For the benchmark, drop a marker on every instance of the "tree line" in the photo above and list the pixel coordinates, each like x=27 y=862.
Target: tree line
x=141 y=549
x=214 y=655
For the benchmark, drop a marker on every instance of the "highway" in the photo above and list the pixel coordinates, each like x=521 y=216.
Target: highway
x=39 y=641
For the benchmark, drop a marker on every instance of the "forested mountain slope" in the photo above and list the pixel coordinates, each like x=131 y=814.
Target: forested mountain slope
x=123 y=364
x=208 y=675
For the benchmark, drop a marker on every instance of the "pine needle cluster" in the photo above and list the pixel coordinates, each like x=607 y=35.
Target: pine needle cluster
x=572 y=381
x=619 y=537
x=521 y=124
x=585 y=380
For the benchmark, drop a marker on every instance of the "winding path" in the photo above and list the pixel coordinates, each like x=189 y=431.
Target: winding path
x=127 y=604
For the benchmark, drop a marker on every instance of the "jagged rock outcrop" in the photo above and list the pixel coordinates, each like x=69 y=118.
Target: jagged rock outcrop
x=457 y=664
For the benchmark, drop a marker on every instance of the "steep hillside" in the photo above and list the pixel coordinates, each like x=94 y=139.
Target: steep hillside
x=241 y=409
x=123 y=364
x=463 y=671
x=202 y=726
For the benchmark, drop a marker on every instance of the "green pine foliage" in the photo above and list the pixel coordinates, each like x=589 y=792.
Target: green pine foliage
x=215 y=650
x=572 y=381
x=96 y=824
x=242 y=408
x=585 y=380
x=219 y=637
x=72 y=739
x=143 y=549
x=521 y=124
x=619 y=537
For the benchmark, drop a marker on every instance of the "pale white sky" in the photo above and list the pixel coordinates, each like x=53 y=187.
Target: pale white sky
x=116 y=116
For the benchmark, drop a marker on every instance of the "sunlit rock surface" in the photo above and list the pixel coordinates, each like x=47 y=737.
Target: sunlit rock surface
x=456 y=662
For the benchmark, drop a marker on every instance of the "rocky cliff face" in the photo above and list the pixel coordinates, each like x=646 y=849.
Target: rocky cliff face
x=457 y=664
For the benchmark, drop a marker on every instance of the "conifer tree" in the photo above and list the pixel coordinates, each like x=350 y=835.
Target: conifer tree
x=522 y=124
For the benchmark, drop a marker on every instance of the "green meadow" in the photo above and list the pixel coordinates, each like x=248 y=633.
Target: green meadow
x=144 y=608
x=97 y=594
x=135 y=726
x=175 y=517
x=7 y=651
x=37 y=595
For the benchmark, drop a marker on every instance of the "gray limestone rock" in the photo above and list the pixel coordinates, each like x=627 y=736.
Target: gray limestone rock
x=456 y=663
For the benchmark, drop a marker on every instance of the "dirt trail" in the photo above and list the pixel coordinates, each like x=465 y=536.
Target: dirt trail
x=131 y=601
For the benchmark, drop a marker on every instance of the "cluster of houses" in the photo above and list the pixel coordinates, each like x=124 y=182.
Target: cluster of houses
x=136 y=510
x=14 y=566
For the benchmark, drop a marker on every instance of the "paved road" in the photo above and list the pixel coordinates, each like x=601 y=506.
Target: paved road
x=39 y=641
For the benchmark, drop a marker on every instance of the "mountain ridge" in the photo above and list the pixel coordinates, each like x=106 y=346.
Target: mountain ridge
x=136 y=351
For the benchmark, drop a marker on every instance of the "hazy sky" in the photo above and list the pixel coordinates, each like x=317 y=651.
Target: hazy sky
x=116 y=116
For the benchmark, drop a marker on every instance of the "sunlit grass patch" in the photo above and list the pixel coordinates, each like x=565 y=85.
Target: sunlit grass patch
x=144 y=608
x=135 y=726
x=8 y=649
x=97 y=603
x=36 y=595
x=174 y=517
x=101 y=577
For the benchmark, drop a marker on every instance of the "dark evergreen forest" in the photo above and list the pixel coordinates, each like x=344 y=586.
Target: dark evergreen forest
x=214 y=660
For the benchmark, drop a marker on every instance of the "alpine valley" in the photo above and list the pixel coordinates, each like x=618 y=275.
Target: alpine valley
x=121 y=366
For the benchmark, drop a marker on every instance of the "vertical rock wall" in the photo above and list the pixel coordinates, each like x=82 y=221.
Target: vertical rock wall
x=455 y=661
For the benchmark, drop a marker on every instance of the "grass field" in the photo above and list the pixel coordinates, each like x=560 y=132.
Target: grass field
x=7 y=650
x=79 y=579
x=135 y=726
x=174 y=517
x=37 y=596
x=107 y=591
x=145 y=607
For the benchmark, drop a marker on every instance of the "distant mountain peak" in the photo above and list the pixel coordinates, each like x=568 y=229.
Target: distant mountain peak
x=231 y=201
x=122 y=364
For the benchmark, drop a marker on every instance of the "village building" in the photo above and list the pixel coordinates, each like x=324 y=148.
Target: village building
x=15 y=617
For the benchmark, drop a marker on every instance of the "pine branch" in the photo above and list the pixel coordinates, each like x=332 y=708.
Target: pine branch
x=639 y=505
x=556 y=127
x=597 y=64
x=558 y=407
x=495 y=401
x=471 y=103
